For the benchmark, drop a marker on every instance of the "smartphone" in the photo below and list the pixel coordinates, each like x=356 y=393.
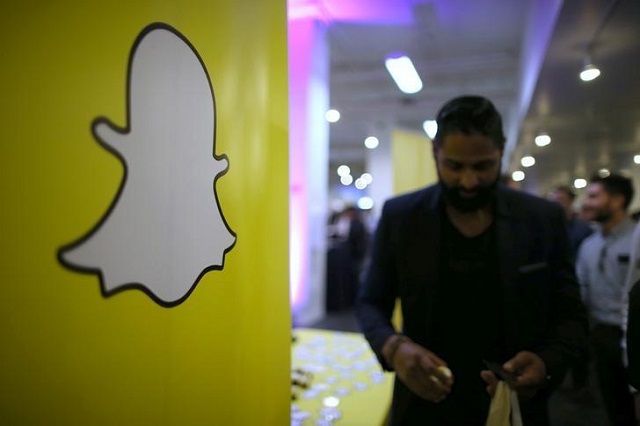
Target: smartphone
x=500 y=372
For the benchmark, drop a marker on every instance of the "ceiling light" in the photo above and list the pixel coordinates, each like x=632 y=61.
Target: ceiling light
x=517 y=176
x=371 y=142
x=332 y=116
x=528 y=161
x=604 y=173
x=636 y=159
x=589 y=72
x=367 y=178
x=403 y=73
x=431 y=128
x=346 y=180
x=579 y=183
x=361 y=184
x=542 y=139
x=343 y=170
x=365 y=203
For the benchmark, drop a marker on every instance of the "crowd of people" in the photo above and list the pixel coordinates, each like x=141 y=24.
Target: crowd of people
x=490 y=275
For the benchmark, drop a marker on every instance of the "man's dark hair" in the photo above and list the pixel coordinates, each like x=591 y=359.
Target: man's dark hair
x=616 y=184
x=471 y=115
x=566 y=189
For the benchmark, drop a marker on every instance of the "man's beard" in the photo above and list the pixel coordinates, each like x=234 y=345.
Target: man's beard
x=602 y=216
x=454 y=198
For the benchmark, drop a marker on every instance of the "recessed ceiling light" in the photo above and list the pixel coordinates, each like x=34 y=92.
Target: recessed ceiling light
x=636 y=159
x=543 y=139
x=365 y=203
x=332 y=116
x=517 y=176
x=371 y=142
x=580 y=183
x=343 y=170
x=528 y=161
x=346 y=180
x=431 y=128
x=361 y=184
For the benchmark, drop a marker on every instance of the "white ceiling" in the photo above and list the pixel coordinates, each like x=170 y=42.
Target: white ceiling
x=497 y=48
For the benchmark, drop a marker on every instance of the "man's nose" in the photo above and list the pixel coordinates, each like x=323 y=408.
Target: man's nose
x=469 y=180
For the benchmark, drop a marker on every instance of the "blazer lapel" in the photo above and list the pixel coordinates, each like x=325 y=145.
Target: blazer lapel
x=512 y=240
x=508 y=235
x=423 y=249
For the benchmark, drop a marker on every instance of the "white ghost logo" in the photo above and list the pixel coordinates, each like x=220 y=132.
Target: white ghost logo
x=164 y=230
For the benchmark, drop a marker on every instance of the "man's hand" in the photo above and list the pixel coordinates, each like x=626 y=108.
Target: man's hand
x=527 y=374
x=422 y=371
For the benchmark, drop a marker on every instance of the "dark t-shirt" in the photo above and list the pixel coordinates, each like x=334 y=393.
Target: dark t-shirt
x=469 y=323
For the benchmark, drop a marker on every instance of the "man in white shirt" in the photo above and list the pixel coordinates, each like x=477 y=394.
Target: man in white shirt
x=602 y=267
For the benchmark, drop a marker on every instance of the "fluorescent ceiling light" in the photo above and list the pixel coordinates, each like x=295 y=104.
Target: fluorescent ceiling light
x=404 y=73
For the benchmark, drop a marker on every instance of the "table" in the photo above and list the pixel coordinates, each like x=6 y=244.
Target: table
x=346 y=384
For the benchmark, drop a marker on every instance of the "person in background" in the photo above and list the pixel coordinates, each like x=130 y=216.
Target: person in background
x=357 y=239
x=602 y=267
x=483 y=274
x=508 y=181
x=578 y=228
x=348 y=246
x=631 y=323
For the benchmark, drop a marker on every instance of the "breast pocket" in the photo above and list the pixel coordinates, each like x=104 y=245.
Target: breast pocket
x=530 y=290
x=532 y=268
x=532 y=283
x=623 y=259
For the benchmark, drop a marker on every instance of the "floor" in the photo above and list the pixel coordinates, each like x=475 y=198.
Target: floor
x=567 y=407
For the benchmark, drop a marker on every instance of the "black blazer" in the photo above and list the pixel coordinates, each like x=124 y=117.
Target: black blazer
x=543 y=310
x=633 y=336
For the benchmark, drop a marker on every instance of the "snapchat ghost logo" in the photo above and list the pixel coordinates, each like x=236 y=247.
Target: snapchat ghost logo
x=165 y=229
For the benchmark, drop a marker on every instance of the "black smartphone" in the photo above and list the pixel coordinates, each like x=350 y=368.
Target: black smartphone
x=500 y=372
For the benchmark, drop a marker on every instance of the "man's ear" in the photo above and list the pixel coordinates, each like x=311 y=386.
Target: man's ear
x=618 y=201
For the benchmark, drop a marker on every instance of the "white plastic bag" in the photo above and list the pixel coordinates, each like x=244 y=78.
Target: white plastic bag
x=505 y=408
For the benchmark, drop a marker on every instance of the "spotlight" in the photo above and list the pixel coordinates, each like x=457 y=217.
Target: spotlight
x=589 y=71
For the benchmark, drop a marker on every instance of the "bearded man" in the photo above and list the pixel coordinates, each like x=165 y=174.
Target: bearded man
x=603 y=264
x=483 y=273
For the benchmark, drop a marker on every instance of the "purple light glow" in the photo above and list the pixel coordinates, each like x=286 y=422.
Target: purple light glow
x=302 y=15
x=369 y=11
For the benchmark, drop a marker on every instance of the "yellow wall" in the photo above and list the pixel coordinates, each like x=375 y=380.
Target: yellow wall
x=68 y=355
x=413 y=163
x=413 y=168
